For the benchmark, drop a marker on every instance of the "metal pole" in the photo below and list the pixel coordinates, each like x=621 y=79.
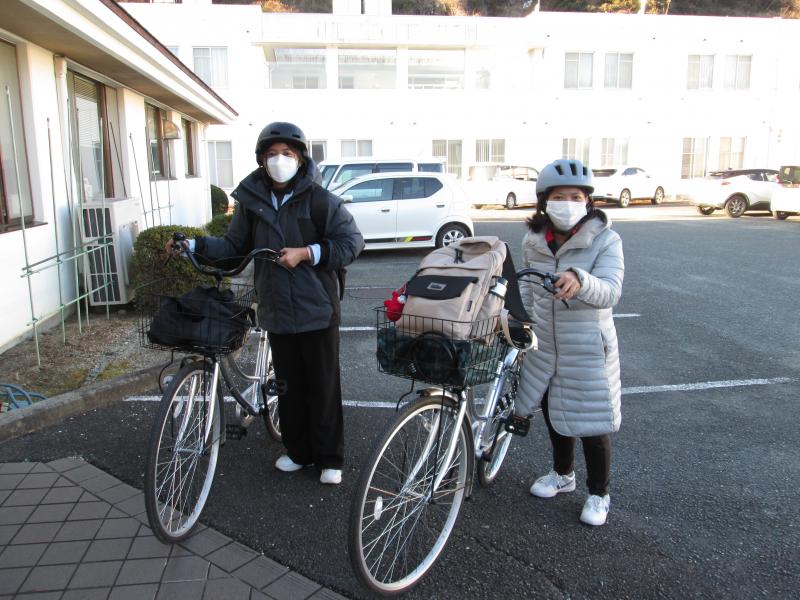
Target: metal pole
x=55 y=231
x=22 y=225
x=138 y=179
x=82 y=191
x=75 y=220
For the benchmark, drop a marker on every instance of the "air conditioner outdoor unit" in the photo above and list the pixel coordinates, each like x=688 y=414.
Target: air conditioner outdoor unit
x=115 y=220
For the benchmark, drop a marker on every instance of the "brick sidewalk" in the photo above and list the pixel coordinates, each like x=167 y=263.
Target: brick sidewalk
x=69 y=530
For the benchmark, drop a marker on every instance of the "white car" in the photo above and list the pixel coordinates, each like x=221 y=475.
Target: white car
x=623 y=183
x=735 y=191
x=508 y=185
x=336 y=172
x=408 y=210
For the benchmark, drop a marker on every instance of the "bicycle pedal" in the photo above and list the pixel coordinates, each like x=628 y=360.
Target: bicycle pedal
x=517 y=425
x=234 y=431
x=270 y=388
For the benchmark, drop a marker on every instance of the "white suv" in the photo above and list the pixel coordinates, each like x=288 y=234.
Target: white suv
x=735 y=191
x=337 y=172
x=407 y=210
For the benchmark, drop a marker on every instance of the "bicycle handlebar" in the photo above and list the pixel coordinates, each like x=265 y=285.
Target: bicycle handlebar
x=179 y=238
x=548 y=280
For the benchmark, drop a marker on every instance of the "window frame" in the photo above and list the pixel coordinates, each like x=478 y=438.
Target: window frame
x=452 y=154
x=731 y=79
x=190 y=168
x=702 y=84
x=213 y=174
x=579 y=76
x=617 y=75
x=494 y=150
x=689 y=167
x=214 y=80
x=155 y=174
x=359 y=146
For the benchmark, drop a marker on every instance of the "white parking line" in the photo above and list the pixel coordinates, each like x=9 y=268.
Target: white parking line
x=630 y=391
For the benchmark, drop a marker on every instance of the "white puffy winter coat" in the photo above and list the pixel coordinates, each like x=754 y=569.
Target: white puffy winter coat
x=578 y=356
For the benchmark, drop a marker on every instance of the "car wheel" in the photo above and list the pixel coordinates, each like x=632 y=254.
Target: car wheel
x=658 y=197
x=780 y=215
x=452 y=232
x=705 y=210
x=624 y=198
x=511 y=201
x=735 y=206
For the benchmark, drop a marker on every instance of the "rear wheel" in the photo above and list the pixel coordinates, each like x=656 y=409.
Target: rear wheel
x=450 y=233
x=705 y=210
x=511 y=201
x=658 y=197
x=182 y=458
x=735 y=206
x=780 y=215
x=624 y=198
x=399 y=524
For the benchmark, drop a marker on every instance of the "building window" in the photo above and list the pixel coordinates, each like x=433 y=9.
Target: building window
x=155 y=141
x=188 y=147
x=576 y=148
x=367 y=69
x=731 y=152
x=356 y=148
x=15 y=192
x=220 y=164
x=90 y=134
x=319 y=150
x=297 y=68
x=435 y=69
x=211 y=65
x=490 y=151
x=737 y=72
x=619 y=70
x=450 y=152
x=693 y=163
x=700 y=75
x=578 y=68
x=613 y=151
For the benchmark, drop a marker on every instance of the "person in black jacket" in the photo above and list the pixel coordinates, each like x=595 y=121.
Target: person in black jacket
x=281 y=207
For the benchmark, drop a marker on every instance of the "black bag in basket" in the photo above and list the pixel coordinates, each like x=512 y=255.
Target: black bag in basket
x=205 y=317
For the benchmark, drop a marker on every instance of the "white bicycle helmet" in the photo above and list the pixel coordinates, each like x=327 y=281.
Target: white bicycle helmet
x=564 y=172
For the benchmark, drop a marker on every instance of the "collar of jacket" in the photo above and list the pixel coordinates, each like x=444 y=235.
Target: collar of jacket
x=582 y=238
x=258 y=184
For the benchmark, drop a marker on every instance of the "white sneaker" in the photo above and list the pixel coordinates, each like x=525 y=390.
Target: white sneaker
x=331 y=476
x=595 y=510
x=551 y=484
x=287 y=465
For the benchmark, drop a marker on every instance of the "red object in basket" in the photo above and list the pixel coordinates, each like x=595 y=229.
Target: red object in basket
x=394 y=306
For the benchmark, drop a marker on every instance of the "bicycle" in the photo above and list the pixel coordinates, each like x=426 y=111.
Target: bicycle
x=409 y=495
x=191 y=422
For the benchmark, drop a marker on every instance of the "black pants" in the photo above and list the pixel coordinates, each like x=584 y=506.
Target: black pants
x=310 y=396
x=596 y=452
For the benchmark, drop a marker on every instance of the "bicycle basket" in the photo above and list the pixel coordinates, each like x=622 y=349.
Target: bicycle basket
x=437 y=355
x=203 y=319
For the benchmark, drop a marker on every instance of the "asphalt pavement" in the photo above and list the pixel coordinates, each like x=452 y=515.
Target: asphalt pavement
x=705 y=465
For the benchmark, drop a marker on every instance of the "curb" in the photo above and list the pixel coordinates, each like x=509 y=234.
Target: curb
x=53 y=410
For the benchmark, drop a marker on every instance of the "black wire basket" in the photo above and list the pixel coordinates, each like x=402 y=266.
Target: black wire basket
x=208 y=320
x=437 y=351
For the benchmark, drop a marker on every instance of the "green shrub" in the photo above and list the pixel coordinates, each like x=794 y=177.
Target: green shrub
x=219 y=201
x=218 y=225
x=147 y=262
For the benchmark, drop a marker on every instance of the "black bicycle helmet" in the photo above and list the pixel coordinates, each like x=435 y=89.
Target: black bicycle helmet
x=564 y=172
x=280 y=131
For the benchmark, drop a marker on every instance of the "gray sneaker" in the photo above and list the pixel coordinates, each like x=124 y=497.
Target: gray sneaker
x=551 y=484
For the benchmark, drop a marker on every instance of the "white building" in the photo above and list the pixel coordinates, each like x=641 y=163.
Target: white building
x=677 y=95
x=92 y=108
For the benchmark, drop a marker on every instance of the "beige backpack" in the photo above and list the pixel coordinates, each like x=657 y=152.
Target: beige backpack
x=449 y=293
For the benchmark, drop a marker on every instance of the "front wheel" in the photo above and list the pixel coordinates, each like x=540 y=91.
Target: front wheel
x=735 y=206
x=399 y=524
x=450 y=233
x=781 y=215
x=182 y=456
x=624 y=198
x=658 y=197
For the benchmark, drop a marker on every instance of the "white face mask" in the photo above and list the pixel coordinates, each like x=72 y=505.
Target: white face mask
x=565 y=214
x=282 y=168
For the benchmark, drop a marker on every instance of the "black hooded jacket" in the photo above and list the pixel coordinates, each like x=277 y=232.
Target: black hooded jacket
x=304 y=298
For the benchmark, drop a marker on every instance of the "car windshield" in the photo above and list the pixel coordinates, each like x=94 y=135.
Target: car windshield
x=327 y=172
x=603 y=172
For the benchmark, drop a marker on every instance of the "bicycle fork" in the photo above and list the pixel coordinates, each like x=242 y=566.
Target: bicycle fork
x=492 y=400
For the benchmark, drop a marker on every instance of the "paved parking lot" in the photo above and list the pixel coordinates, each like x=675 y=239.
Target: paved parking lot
x=705 y=465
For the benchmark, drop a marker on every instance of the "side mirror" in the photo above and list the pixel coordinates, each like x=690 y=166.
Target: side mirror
x=347 y=198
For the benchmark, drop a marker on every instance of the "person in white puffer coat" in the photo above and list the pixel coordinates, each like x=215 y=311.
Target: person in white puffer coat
x=574 y=375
